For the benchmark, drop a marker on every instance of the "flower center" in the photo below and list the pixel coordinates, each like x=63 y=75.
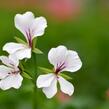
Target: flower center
x=59 y=67
x=14 y=72
x=28 y=33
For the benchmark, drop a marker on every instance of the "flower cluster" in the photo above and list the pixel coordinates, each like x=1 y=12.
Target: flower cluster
x=60 y=57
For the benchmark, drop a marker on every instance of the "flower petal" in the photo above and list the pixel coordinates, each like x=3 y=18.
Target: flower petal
x=29 y=25
x=19 y=50
x=38 y=26
x=57 y=55
x=72 y=61
x=13 y=47
x=14 y=59
x=24 y=53
x=51 y=90
x=45 y=80
x=5 y=60
x=66 y=87
x=10 y=61
x=14 y=80
x=4 y=71
x=23 y=22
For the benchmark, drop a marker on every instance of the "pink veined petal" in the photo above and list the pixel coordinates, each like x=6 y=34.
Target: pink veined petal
x=56 y=56
x=38 y=26
x=23 y=22
x=64 y=60
x=45 y=80
x=14 y=59
x=66 y=87
x=11 y=81
x=4 y=71
x=51 y=90
x=10 y=61
x=30 y=26
x=72 y=61
x=5 y=60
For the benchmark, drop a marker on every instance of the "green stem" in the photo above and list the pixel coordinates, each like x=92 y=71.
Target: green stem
x=34 y=78
x=34 y=97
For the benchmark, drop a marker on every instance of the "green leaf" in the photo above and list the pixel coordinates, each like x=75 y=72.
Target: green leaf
x=65 y=76
x=37 y=51
x=26 y=75
x=21 y=66
x=20 y=40
x=45 y=70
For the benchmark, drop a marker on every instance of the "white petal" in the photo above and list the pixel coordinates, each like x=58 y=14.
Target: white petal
x=19 y=50
x=24 y=53
x=5 y=60
x=14 y=59
x=13 y=47
x=4 y=71
x=14 y=81
x=38 y=26
x=66 y=87
x=51 y=90
x=72 y=61
x=45 y=80
x=23 y=22
x=57 y=55
x=10 y=61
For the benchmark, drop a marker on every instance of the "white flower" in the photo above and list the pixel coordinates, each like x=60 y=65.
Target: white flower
x=30 y=27
x=62 y=60
x=10 y=73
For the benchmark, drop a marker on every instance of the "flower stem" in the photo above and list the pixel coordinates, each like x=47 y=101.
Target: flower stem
x=34 y=97
x=34 y=82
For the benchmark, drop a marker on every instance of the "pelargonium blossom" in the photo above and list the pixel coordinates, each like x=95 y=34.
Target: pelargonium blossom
x=30 y=27
x=63 y=60
x=10 y=73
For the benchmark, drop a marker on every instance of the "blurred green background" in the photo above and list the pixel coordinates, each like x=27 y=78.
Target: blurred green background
x=81 y=25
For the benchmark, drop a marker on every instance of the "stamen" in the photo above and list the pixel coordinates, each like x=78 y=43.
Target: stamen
x=28 y=33
x=16 y=72
x=60 y=67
